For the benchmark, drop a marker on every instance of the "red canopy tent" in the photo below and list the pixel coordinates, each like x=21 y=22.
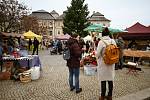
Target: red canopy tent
x=63 y=37
x=138 y=32
x=149 y=28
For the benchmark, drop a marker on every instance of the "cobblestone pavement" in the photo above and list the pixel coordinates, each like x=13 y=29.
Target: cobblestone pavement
x=53 y=83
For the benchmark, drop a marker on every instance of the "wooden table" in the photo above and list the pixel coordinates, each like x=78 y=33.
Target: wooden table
x=136 y=53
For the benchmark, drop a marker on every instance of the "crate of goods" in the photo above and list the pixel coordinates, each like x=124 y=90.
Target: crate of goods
x=90 y=70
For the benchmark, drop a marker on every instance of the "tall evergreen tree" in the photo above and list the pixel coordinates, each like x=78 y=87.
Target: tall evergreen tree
x=75 y=20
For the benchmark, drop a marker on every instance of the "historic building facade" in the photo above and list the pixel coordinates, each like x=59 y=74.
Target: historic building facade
x=46 y=22
x=59 y=24
x=51 y=23
x=98 y=18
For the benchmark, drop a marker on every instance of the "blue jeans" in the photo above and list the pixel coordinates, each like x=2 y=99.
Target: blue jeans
x=74 y=72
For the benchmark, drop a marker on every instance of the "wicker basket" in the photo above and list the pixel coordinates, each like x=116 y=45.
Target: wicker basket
x=25 y=77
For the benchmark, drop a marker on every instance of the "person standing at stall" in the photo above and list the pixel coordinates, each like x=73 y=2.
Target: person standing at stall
x=10 y=44
x=87 y=46
x=121 y=44
x=36 y=46
x=1 y=53
x=74 y=62
x=105 y=71
x=23 y=47
x=59 y=45
x=30 y=44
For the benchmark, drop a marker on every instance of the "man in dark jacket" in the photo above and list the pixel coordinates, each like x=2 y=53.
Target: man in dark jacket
x=30 y=44
x=74 y=63
x=36 y=45
x=59 y=45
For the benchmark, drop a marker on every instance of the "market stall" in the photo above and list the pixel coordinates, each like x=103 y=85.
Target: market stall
x=31 y=35
x=13 y=66
x=137 y=56
x=136 y=53
x=63 y=37
x=89 y=63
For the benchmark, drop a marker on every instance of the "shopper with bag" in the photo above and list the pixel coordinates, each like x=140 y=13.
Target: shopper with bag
x=73 y=63
x=106 y=72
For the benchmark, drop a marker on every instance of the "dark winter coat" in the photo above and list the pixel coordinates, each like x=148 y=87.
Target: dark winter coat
x=36 y=43
x=75 y=53
x=30 y=42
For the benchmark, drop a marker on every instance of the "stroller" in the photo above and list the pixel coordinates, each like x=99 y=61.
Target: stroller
x=53 y=50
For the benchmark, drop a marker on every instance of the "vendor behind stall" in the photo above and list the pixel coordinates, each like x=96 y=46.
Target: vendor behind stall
x=10 y=44
x=132 y=45
x=1 y=51
x=23 y=47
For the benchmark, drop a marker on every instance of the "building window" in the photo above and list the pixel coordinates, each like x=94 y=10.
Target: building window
x=58 y=23
x=50 y=33
x=50 y=23
x=58 y=32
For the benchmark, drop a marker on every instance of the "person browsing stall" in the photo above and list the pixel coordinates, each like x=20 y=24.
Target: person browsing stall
x=106 y=72
x=74 y=62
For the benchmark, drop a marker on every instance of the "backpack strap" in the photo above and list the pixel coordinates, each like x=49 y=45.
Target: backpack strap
x=103 y=47
x=105 y=44
x=104 y=41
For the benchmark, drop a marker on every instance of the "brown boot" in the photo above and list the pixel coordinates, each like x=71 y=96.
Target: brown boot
x=109 y=97
x=101 y=98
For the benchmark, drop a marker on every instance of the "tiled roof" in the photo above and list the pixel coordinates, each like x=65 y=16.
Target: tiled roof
x=53 y=12
x=98 y=17
x=42 y=14
x=138 y=28
x=97 y=14
x=61 y=16
x=40 y=11
x=149 y=28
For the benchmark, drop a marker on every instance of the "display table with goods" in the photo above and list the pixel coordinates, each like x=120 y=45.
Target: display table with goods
x=138 y=56
x=89 y=63
x=136 y=53
x=142 y=55
x=28 y=62
x=16 y=64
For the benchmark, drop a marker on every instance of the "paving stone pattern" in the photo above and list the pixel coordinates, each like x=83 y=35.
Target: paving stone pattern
x=53 y=83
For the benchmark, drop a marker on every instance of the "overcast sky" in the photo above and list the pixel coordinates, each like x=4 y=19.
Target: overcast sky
x=122 y=13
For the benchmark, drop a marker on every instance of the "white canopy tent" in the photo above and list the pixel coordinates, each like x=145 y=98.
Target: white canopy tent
x=87 y=38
